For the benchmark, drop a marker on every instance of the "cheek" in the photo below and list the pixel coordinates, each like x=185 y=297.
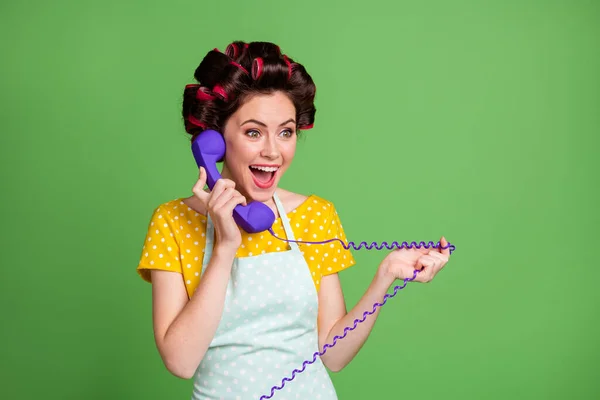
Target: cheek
x=288 y=152
x=238 y=155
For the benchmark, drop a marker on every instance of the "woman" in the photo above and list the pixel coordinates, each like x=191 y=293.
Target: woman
x=239 y=312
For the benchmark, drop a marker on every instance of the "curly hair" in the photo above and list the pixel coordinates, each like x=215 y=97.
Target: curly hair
x=227 y=80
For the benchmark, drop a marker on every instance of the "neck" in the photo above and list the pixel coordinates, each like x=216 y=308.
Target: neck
x=225 y=172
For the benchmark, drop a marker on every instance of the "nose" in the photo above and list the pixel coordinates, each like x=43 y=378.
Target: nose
x=270 y=149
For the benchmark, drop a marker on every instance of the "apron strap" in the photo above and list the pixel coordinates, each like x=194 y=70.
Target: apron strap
x=210 y=241
x=289 y=234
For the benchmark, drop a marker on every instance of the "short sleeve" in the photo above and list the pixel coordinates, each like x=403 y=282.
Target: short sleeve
x=335 y=257
x=160 y=250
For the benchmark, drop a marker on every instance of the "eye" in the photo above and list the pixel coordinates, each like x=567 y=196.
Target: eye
x=253 y=133
x=287 y=133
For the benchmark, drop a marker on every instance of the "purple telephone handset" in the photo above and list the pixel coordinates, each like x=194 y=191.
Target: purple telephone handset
x=209 y=149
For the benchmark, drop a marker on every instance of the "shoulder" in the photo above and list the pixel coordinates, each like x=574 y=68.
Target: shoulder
x=310 y=213
x=167 y=208
x=171 y=213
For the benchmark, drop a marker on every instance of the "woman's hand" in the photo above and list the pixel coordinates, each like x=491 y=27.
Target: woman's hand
x=401 y=263
x=219 y=204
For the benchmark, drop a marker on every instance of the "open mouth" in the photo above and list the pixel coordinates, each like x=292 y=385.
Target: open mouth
x=263 y=176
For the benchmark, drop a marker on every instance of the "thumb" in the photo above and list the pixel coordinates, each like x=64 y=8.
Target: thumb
x=444 y=243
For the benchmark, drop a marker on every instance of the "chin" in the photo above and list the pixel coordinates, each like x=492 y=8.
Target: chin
x=262 y=197
x=259 y=194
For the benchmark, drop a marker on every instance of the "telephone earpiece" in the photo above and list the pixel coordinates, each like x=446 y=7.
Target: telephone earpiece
x=209 y=149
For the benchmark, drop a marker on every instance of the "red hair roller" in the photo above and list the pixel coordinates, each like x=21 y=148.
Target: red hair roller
x=219 y=91
x=203 y=94
x=232 y=50
x=306 y=127
x=239 y=66
x=196 y=122
x=289 y=64
x=257 y=68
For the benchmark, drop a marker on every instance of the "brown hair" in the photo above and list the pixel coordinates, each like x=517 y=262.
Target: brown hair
x=227 y=80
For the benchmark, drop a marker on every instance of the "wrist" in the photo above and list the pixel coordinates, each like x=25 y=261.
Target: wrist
x=225 y=252
x=384 y=276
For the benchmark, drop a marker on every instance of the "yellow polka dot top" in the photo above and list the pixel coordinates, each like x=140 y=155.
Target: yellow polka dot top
x=176 y=238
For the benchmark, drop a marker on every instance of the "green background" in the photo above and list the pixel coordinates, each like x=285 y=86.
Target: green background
x=477 y=120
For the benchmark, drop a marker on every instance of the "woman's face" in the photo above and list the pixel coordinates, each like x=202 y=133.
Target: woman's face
x=260 y=140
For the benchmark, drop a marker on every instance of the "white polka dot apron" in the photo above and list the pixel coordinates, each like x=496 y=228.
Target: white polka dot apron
x=268 y=329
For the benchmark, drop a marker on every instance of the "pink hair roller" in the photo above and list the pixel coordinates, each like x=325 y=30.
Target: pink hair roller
x=232 y=50
x=289 y=64
x=239 y=66
x=203 y=94
x=196 y=122
x=257 y=68
x=219 y=91
x=306 y=127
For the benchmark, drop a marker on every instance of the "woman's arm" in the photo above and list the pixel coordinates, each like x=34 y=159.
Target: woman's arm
x=333 y=318
x=398 y=264
x=184 y=329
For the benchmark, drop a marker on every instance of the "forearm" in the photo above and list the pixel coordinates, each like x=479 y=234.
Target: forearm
x=188 y=337
x=344 y=350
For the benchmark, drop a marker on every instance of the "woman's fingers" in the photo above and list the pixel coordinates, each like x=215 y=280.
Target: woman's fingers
x=220 y=186
x=426 y=264
x=198 y=188
x=218 y=203
x=235 y=199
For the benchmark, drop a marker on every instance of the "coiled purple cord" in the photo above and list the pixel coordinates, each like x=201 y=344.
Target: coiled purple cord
x=366 y=313
x=389 y=246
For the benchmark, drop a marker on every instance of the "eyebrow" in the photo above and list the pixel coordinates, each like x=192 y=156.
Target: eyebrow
x=263 y=124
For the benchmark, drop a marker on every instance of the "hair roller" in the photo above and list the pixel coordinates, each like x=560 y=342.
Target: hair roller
x=257 y=68
x=194 y=121
x=289 y=64
x=232 y=50
x=239 y=66
x=306 y=127
x=220 y=92
x=203 y=94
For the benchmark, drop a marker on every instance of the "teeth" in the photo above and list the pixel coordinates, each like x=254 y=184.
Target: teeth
x=266 y=169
